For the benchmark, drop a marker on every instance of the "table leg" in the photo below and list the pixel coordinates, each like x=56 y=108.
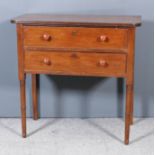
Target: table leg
x=23 y=106
x=34 y=96
x=132 y=104
x=128 y=113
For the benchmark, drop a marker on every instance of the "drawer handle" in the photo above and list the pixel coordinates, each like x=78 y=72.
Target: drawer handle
x=47 y=61
x=103 y=38
x=103 y=63
x=47 y=37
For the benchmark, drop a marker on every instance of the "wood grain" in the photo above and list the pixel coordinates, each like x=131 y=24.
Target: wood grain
x=74 y=37
x=129 y=84
x=21 y=76
x=78 y=20
x=35 y=97
x=23 y=106
x=127 y=114
x=68 y=63
x=79 y=45
x=130 y=67
x=20 y=47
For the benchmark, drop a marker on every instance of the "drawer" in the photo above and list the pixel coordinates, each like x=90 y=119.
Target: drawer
x=75 y=37
x=78 y=63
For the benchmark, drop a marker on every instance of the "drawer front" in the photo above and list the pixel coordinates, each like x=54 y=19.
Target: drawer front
x=75 y=37
x=70 y=63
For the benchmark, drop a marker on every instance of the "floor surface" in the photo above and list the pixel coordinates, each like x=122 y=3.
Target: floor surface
x=100 y=136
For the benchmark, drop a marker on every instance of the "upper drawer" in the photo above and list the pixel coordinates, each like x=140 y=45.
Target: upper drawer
x=75 y=37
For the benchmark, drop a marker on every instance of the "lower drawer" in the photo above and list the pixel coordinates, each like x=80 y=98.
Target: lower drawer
x=78 y=63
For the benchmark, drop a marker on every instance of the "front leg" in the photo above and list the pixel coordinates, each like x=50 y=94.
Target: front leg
x=132 y=104
x=34 y=96
x=23 y=106
x=128 y=113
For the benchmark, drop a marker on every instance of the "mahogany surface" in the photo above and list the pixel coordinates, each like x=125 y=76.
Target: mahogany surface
x=79 y=45
x=78 y=20
x=77 y=63
x=75 y=37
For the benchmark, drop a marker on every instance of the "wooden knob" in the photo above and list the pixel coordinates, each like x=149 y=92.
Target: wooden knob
x=47 y=61
x=103 y=63
x=47 y=37
x=103 y=38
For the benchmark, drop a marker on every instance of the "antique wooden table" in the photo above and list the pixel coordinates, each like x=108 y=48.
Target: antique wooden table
x=76 y=45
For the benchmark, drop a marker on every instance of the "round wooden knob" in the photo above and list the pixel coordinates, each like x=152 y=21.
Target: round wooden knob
x=47 y=61
x=103 y=38
x=103 y=63
x=47 y=37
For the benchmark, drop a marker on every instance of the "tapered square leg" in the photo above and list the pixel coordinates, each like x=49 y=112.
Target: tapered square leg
x=128 y=113
x=35 y=97
x=23 y=106
x=132 y=104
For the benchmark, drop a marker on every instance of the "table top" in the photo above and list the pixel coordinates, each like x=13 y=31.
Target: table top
x=78 y=20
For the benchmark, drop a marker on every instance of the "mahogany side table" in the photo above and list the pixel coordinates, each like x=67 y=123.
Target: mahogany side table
x=77 y=45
